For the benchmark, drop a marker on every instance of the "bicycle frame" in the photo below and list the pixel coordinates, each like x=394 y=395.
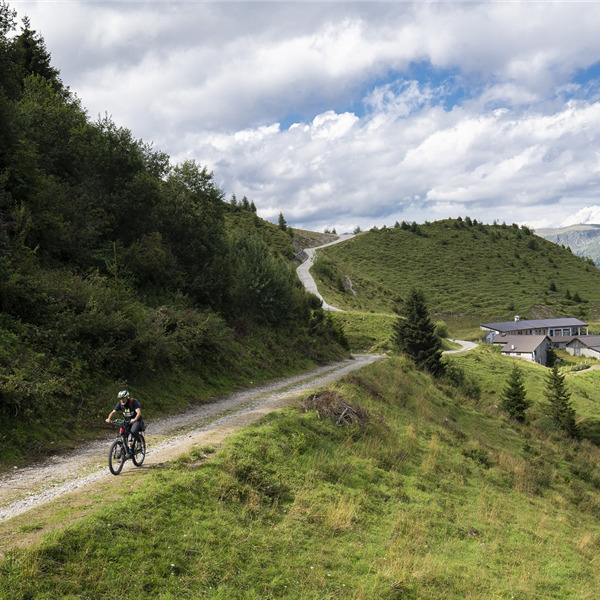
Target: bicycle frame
x=125 y=433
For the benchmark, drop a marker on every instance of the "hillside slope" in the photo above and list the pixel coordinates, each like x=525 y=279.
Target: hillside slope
x=119 y=269
x=426 y=496
x=584 y=240
x=469 y=272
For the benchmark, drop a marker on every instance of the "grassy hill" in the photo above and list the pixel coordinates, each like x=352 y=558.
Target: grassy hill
x=471 y=273
x=119 y=269
x=428 y=495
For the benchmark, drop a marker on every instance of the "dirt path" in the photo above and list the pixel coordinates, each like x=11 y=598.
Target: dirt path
x=303 y=271
x=465 y=345
x=24 y=490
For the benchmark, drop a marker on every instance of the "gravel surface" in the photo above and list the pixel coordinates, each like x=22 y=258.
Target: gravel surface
x=303 y=271
x=26 y=488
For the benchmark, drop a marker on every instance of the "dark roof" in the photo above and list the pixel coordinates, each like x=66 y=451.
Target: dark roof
x=534 y=324
x=591 y=341
x=522 y=343
x=563 y=339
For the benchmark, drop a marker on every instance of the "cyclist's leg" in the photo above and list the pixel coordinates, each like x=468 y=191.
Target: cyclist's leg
x=135 y=430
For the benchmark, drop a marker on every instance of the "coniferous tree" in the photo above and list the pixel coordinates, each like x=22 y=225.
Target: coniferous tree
x=550 y=358
x=32 y=56
x=559 y=407
x=514 y=397
x=282 y=222
x=414 y=335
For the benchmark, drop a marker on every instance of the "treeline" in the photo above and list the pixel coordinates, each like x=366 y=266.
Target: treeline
x=113 y=262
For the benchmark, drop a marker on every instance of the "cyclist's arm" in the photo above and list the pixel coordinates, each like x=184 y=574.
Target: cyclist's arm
x=112 y=414
x=138 y=415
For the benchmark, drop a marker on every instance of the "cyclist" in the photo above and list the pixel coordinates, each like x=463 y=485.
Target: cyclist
x=132 y=413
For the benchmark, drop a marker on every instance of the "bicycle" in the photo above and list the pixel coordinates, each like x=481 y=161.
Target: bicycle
x=124 y=448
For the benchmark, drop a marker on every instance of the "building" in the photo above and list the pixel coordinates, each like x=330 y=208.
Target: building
x=533 y=348
x=553 y=328
x=584 y=345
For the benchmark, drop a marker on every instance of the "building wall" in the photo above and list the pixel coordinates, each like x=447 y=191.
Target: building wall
x=576 y=348
x=539 y=356
x=520 y=355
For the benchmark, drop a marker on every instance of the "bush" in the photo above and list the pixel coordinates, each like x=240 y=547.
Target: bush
x=457 y=378
x=441 y=329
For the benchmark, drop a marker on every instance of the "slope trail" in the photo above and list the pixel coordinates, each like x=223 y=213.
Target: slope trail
x=303 y=271
x=28 y=488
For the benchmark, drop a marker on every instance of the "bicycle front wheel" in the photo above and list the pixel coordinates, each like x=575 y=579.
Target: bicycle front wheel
x=116 y=457
x=139 y=451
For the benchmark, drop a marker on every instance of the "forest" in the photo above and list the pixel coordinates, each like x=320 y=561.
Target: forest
x=117 y=266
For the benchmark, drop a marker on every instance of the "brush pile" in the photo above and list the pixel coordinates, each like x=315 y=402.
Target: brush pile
x=332 y=405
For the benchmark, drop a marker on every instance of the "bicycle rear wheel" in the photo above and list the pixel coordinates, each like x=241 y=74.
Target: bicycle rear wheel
x=139 y=451
x=116 y=457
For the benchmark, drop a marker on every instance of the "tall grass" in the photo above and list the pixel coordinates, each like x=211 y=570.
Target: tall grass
x=429 y=496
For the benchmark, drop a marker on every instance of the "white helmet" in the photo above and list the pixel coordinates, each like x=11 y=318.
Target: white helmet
x=123 y=394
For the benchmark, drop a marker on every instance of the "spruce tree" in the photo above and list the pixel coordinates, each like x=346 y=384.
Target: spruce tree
x=282 y=222
x=559 y=407
x=514 y=397
x=414 y=335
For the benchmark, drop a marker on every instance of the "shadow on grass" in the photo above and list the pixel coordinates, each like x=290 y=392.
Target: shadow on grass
x=590 y=430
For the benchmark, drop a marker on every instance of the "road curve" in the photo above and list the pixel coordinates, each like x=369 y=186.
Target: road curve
x=465 y=346
x=306 y=278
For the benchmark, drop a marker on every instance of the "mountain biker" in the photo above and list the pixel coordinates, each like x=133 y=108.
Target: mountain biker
x=132 y=413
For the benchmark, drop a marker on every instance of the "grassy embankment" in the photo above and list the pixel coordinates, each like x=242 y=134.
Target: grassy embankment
x=471 y=274
x=430 y=496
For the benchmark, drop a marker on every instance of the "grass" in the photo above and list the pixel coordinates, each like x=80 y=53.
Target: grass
x=371 y=332
x=470 y=274
x=429 y=496
x=365 y=331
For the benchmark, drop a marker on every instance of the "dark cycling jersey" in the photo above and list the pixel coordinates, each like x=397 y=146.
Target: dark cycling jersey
x=129 y=409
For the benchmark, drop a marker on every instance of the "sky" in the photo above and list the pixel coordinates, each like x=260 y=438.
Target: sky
x=351 y=114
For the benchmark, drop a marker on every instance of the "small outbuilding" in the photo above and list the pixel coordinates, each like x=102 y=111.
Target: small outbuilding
x=532 y=348
x=585 y=345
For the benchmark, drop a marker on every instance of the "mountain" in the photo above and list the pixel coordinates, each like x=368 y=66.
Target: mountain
x=584 y=240
x=469 y=272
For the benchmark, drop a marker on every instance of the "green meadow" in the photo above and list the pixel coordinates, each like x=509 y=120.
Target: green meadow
x=424 y=494
x=470 y=272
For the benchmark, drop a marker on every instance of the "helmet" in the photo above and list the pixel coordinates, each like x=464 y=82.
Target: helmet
x=123 y=395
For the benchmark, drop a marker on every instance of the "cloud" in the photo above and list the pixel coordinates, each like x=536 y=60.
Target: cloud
x=586 y=215
x=352 y=113
x=516 y=165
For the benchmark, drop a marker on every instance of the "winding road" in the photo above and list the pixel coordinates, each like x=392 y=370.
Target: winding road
x=306 y=278
x=23 y=490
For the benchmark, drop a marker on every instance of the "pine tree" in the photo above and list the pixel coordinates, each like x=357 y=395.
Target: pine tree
x=414 y=335
x=282 y=222
x=32 y=56
x=514 y=397
x=559 y=407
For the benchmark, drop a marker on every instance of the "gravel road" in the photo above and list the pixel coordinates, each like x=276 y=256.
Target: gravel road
x=303 y=271
x=26 y=488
